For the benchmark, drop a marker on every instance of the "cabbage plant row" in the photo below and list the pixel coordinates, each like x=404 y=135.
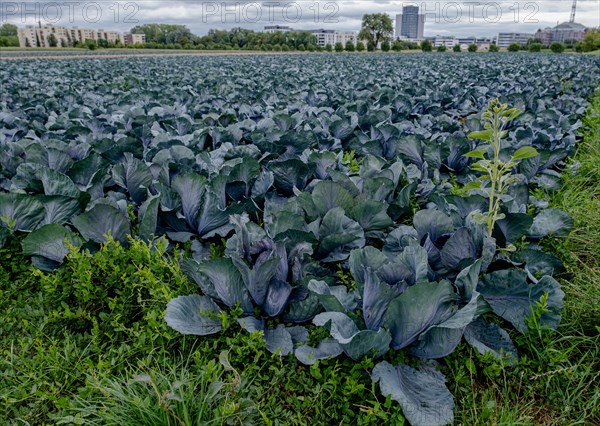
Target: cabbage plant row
x=306 y=165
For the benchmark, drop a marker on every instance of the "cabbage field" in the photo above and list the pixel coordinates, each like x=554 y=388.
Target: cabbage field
x=384 y=167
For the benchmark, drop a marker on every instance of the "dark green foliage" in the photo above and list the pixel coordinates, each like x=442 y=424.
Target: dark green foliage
x=426 y=46
x=441 y=48
x=456 y=48
x=557 y=47
x=535 y=47
x=472 y=48
x=514 y=47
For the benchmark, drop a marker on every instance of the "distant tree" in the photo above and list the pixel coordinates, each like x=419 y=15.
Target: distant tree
x=9 y=36
x=52 y=41
x=328 y=47
x=339 y=47
x=494 y=48
x=557 y=47
x=578 y=47
x=8 y=30
x=514 y=47
x=350 y=47
x=277 y=47
x=591 y=41
x=456 y=48
x=397 y=46
x=385 y=46
x=90 y=44
x=426 y=46
x=319 y=48
x=472 y=48
x=376 y=27
x=8 y=41
x=370 y=47
x=442 y=48
x=302 y=48
x=535 y=47
x=360 y=46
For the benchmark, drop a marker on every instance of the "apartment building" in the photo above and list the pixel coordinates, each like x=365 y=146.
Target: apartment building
x=56 y=36
x=44 y=36
x=111 y=36
x=332 y=37
x=131 y=39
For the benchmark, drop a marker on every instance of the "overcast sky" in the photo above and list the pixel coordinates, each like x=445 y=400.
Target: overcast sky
x=445 y=17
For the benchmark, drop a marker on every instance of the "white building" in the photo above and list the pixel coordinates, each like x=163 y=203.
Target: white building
x=503 y=40
x=448 y=41
x=111 y=36
x=332 y=37
x=277 y=28
x=45 y=36
x=132 y=39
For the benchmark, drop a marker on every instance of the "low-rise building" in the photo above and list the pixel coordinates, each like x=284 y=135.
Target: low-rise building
x=448 y=41
x=277 y=28
x=503 y=40
x=332 y=37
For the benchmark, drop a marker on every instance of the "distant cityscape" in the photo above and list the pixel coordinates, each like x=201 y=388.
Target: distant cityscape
x=409 y=27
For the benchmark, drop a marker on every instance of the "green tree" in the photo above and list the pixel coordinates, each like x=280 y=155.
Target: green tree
x=494 y=48
x=90 y=44
x=302 y=48
x=370 y=47
x=515 y=47
x=339 y=47
x=360 y=46
x=328 y=48
x=376 y=27
x=426 y=46
x=456 y=48
x=591 y=41
x=52 y=41
x=472 y=48
x=442 y=48
x=535 y=47
x=350 y=47
x=557 y=47
x=385 y=46
x=397 y=46
x=285 y=48
x=8 y=30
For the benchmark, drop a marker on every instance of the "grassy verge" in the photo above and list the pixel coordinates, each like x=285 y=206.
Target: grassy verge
x=557 y=380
